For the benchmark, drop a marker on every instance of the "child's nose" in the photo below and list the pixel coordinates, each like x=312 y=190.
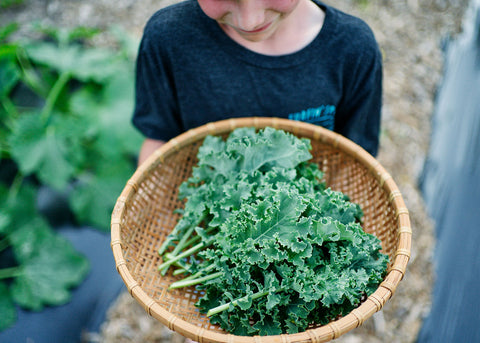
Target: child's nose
x=250 y=15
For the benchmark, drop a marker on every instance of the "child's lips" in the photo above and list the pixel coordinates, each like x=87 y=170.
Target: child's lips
x=260 y=29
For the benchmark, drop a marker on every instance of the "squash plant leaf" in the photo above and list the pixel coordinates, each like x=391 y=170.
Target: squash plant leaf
x=65 y=112
x=51 y=151
x=17 y=210
x=9 y=72
x=117 y=110
x=48 y=265
x=48 y=275
x=94 y=197
x=30 y=237
x=7 y=308
x=94 y=64
x=107 y=111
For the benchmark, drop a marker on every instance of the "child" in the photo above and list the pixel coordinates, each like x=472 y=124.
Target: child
x=207 y=60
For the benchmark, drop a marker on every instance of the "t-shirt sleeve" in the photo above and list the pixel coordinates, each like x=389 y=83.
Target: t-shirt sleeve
x=156 y=110
x=359 y=112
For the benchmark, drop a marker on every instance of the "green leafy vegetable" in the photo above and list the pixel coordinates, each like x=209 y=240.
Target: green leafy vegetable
x=273 y=249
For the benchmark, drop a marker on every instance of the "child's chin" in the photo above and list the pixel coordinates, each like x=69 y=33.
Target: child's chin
x=255 y=37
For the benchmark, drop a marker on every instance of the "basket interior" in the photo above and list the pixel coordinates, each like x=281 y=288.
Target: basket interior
x=147 y=218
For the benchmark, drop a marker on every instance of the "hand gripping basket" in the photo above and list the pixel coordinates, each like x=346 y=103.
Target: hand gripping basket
x=143 y=217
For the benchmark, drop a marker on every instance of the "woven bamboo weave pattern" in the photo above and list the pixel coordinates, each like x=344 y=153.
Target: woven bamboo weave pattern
x=143 y=217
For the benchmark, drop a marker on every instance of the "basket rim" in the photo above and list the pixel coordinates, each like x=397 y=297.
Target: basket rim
x=334 y=329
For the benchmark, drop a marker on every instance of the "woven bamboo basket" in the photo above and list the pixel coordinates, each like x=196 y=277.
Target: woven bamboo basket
x=143 y=217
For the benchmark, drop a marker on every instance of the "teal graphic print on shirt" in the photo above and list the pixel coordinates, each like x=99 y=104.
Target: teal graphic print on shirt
x=323 y=116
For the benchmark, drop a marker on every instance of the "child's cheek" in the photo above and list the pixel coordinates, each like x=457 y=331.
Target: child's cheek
x=282 y=6
x=215 y=9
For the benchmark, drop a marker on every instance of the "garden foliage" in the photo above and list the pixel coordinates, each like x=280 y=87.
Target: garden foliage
x=65 y=108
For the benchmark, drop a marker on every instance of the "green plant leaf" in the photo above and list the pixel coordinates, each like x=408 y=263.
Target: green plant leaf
x=49 y=274
x=8 y=3
x=9 y=70
x=30 y=237
x=49 y=265
x=17 y=209
x=93 y=199
x=27 y=142
x=81 y=137
x=109 y=112
x=64 y=35
x=84 y=64
x=7 y=307
x=52 y=152
x=7 y=30
x=128 y=43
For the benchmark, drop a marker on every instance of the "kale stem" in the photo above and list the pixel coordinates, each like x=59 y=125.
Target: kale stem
x=180 y=263
x=165 y=244
x=197 y=238
x=254 y=296
x=53 y=95
x=198 y=274
x=192 y=282
x=11 y=272
x=181 y=244
x=179 y=271
x=176 y=232
x=186 y=253
x=224 y=307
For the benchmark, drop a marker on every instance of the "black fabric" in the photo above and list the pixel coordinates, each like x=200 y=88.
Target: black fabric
x=189 y=72
x=451 y=190
x=455 y=313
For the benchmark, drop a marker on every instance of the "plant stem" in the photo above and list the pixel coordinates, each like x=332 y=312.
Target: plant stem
x=224 y=307
x=181 y=243
x=53 y=95
x=179 y=263
x=199 y=273
x=11 y=272
x=11 y=111
x=29 y=76
x=254 y=296
x=179 y=271
x=186 y=253
x=197 y=238
x=192 y=282
x=15 y=187
x=176 y=232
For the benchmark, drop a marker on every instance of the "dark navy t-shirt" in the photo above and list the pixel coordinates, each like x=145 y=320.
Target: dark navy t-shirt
x=189 y=72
